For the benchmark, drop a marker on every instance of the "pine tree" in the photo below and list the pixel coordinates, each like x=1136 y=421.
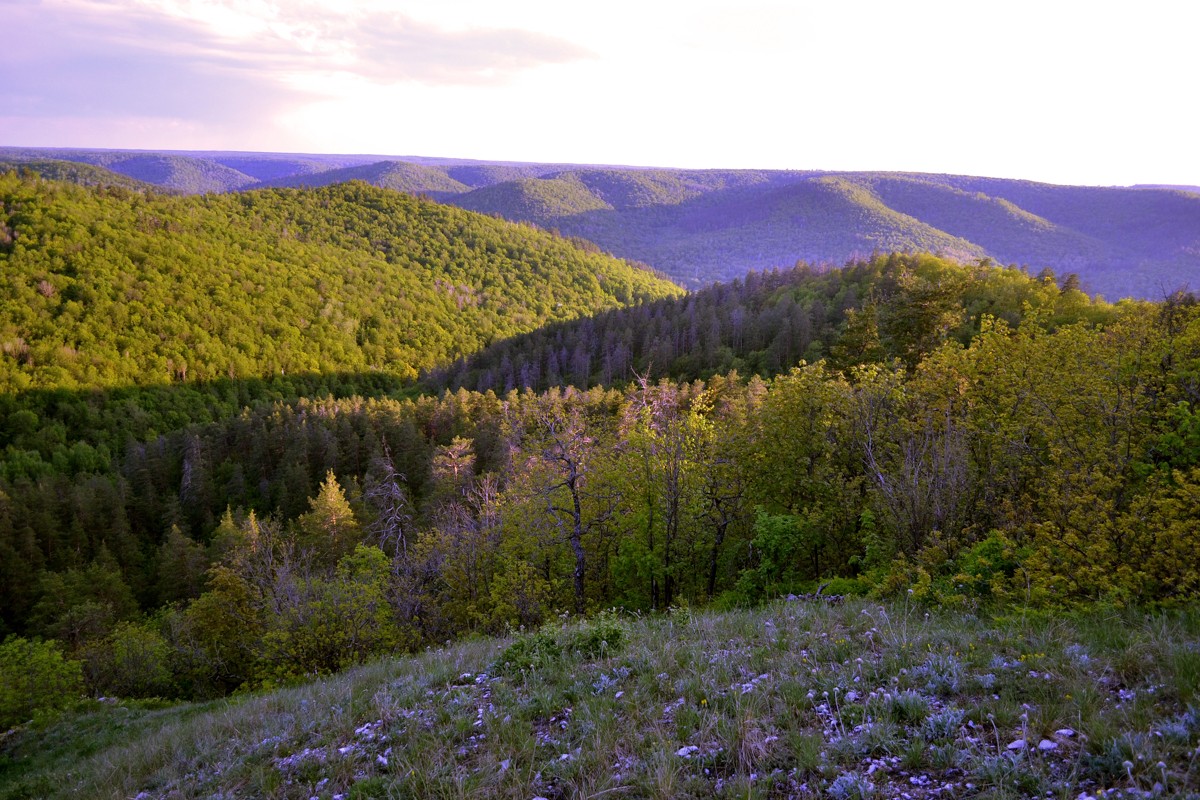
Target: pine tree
x=329 y=530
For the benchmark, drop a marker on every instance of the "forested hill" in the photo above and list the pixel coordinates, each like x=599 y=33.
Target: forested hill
x=106 y=287
x=701 y=226
x=874 y=310
x=75 y=172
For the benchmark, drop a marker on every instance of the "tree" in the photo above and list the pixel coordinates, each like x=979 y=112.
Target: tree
x=333 y=622
x=915 y=449
x=560 y=453
x=802 y=469
x=180 y=568
x=81 y=605
x=329 y=530
x=393 y=512
x=132 y=661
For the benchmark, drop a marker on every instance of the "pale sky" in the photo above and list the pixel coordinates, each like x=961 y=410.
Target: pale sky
x=1063 y=92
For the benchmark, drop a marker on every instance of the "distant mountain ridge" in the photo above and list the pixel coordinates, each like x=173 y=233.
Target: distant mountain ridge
x=701 y=226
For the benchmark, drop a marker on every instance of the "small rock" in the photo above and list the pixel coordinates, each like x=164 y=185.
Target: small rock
x=1019 y=744
x=505 y=764
x=1046 y=744
x=687 y=750
x=1068 y=732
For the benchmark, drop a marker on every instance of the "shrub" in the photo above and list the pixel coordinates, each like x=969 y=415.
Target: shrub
x=35 y=677
x=596 y=638
x=132 y=661
x=529 y=652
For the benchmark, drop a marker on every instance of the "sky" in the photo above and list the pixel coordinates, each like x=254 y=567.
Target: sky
x=1052 y=90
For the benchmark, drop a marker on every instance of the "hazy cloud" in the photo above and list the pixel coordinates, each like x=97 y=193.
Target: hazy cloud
x=100 y=59
x=228 y=64
x=392 y=47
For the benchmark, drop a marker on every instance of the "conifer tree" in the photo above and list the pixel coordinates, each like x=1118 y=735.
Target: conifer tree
x=329 y=530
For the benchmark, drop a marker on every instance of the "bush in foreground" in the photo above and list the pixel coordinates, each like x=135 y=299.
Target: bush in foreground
x=35 y=677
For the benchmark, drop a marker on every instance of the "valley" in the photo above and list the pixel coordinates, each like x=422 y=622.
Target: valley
x=325 y=483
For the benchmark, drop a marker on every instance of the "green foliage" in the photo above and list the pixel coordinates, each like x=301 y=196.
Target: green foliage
x=1036 y=452
x=72 y=172
x=180 y=568
x=329 y=624
x=531 y=651
x=80 y=605
x=701 y=226
x=216 y=640
x=987 y=569
x=846 y=587
x=551 y=645
x=785 y=543
x=132 y=661
x=35 y=676
x=329 y=529
x=276 y=282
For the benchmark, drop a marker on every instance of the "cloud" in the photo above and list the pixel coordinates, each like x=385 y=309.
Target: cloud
x=231 y=63
x=395 y=48
x=104 y=60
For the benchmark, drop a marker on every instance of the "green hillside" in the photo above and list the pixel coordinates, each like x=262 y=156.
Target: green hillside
x=477 y=175
x=764 y=323
x=176 y=172
x=106 y=287
x=699 y=231
x=396 y=175
x=543 y=201
x=999 y=227
x=74 y=172
x=269 y=166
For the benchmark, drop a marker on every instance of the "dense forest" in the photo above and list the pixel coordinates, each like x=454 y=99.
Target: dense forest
x=766 y=322
x=110 y=287
x=974 y=434
x=127 y=314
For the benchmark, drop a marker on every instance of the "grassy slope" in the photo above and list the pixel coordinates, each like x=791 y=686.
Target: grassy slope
x=795 y=700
